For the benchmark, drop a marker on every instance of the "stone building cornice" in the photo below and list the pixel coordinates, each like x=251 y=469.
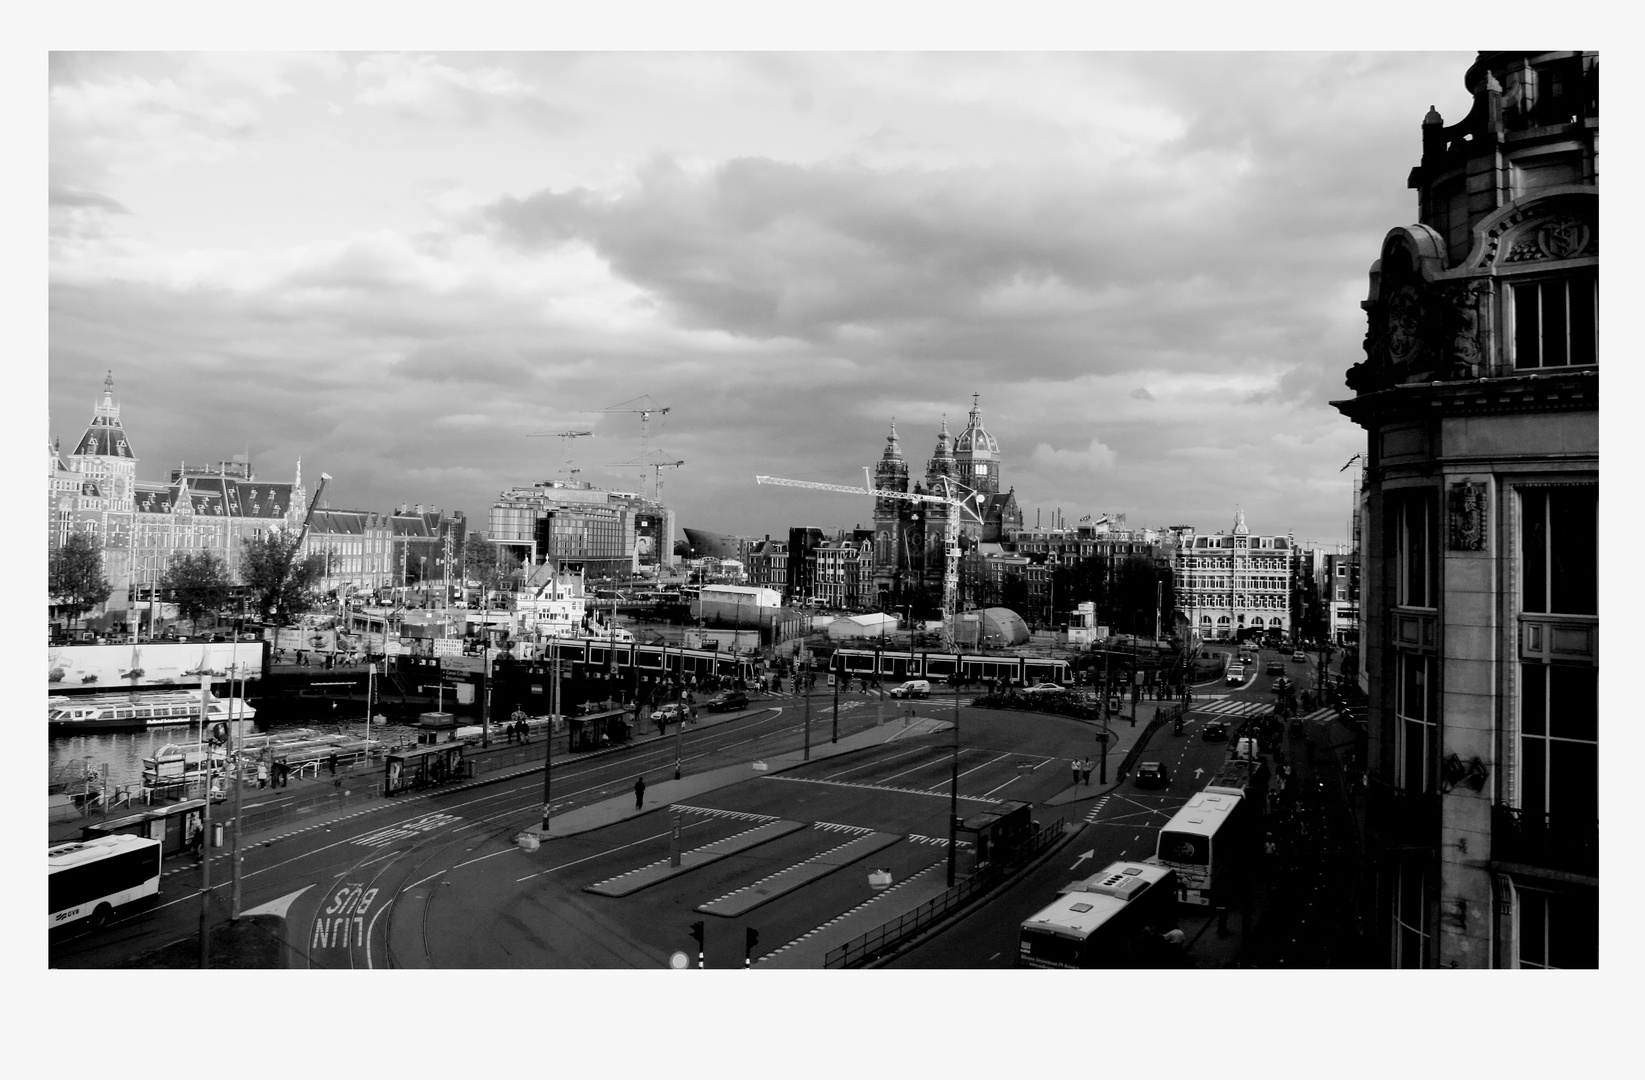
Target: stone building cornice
x=1562 y=391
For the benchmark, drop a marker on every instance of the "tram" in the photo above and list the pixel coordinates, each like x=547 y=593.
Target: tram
x=937 y=666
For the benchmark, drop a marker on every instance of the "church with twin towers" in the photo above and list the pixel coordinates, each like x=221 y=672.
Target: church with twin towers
x=909 y=558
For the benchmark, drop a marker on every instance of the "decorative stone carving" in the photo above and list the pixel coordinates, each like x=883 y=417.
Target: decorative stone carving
x=1468 y=515
x=1563 y=237
x=1465 y=311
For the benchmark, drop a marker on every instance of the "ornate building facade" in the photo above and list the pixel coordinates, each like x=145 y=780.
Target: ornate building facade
x=909 y=557
x=1233 y=581
x=1479 y=621
x=140 y=524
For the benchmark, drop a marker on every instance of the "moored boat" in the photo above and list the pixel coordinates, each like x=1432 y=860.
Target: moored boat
x=136 y=711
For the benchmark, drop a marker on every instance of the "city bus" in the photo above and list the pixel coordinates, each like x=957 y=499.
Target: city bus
x=1113 y=919
x=1205 y=842
x=92 y=879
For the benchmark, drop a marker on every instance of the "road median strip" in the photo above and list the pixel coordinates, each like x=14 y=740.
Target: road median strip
x=793 y=877
x=662 y=870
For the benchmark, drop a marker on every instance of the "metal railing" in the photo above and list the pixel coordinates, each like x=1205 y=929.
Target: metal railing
x=1545 y=840
x=886 y=937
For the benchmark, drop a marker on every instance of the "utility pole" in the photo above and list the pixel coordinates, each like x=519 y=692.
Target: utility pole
x=837 y=677
x=954 y=794
x=205 y=829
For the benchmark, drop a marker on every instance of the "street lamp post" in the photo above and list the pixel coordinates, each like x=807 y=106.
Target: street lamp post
x=954 y=793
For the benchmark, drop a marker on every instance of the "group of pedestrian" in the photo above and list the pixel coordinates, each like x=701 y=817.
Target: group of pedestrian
x=1081 y=768
x=279 y=773
x=518 y=731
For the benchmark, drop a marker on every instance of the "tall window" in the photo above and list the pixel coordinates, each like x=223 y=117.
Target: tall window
x=1559 y=741
x=1557 y=775
x=1559 y=549
x=1557 y=930
x=1555 y=322
x=1416 y=543
x=1416 y=708
x=1410 y=944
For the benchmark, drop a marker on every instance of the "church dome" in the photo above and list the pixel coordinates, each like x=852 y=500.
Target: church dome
x=975 y=439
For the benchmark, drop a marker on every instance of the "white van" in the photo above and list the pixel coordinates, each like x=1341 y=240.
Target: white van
x=913 y=688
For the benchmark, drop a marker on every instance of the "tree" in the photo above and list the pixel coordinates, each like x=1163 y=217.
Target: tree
x=74 y=576
x=198 y=583
x=483 y=562
x=283 y=585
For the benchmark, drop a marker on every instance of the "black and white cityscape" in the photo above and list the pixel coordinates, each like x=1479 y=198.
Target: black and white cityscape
x=799 y=511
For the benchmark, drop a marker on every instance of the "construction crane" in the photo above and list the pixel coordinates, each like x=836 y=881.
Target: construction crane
x=656 y=468
x=565 y=437
x=645 y=411
x=957 y=504
x=290 y=554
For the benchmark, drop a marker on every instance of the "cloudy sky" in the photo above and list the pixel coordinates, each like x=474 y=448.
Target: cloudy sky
x=395 y=266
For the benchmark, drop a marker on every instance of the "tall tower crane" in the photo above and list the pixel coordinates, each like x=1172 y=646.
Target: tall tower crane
x=565 y=437
x=646 y=409
x=656 y=468
x=958 y=502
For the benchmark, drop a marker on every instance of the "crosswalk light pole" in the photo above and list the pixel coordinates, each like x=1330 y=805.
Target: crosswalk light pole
x=954 y=794
x=837 y=676
x=697 y=932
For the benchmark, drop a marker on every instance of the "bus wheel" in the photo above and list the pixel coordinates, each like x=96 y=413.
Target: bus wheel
x=100 y=915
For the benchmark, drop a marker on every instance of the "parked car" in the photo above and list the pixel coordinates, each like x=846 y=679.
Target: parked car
x=727 y=702
x=1214 y=731
x=1153 y=774
x=913 y=688
x=671 y=713
x=1275 y=668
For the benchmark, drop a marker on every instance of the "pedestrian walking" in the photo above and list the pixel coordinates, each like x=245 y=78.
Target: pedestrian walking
x=262 y=774
x=331 y=763
x=1074 y=764
x=1085 y=771
x=639 y=792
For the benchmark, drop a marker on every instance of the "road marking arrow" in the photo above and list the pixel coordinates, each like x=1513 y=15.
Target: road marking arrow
x=1088 y=855
x=1197 y=773
x=280 y=906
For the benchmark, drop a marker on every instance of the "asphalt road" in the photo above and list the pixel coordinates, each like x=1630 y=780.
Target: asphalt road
x=436 y=880
x=1121 y=825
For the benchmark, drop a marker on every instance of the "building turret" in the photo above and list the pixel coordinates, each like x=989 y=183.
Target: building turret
x=977 y=455
x=942 y=458
x=891 y=474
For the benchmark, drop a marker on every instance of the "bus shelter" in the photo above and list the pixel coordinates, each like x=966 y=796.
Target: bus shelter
x=414 y=768
x=996 y=835
x=597 y=730
x=174 y=825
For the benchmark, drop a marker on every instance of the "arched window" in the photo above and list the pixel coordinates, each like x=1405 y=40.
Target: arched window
x=1205 y=620
x=1222 y=620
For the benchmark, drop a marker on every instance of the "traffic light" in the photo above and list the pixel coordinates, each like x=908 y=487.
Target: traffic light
x=697 y=932
x=751 y=938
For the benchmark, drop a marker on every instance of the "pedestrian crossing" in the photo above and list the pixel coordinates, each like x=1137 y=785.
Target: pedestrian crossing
x=1234 y=708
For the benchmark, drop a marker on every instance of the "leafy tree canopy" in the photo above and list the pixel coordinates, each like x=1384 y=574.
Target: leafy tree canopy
x=74 y=575
x=198 y=583
x=284 y=586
